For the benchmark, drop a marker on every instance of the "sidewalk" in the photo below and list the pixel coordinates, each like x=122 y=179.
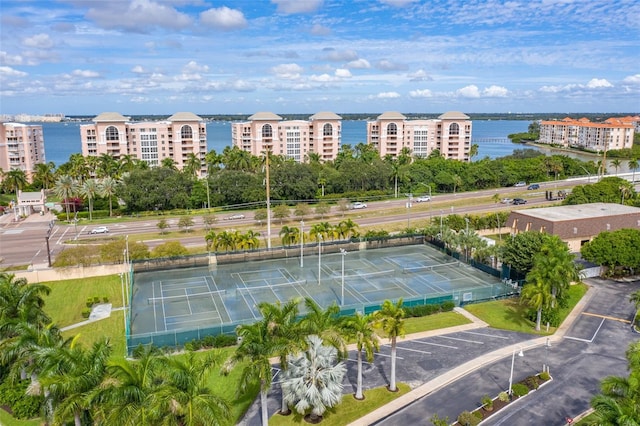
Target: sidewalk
x=466 y=368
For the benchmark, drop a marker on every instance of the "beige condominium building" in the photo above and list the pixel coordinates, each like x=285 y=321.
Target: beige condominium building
x=21 y=147
x=176 y=137
x=450 y=133
x=295 y=139
x=613 y=133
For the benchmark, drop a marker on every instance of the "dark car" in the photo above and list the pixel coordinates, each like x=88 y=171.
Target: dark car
x=519 y=201
x=533 y=186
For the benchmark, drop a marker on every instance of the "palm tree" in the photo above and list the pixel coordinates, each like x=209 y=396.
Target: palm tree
x=360 y=328
x=70 y=374
x=633 y=165
x=289 y=235
x=390 y=319
x=168 y=163
x=536 y=294
x=616 y=163
x=251 y=240
x=635 y=299
x=326 y=324
x=21 y=301
x=127 y=163
x=192 y=165
x=185 y=397
x=108 y=166
x=79 y=168
x=65 y=188
x=347 y=228
x=283 y=327
x=256 y=348
x=16 y=180
x=89 y=189
x=109 y=186
x=313 y=379
x=44 y=174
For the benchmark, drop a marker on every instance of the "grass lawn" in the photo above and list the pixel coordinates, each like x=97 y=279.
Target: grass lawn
x=348 y=410
x=111 y=328
x=509 y=314
x=7 y=420
x=68 y=298
x=434 y=322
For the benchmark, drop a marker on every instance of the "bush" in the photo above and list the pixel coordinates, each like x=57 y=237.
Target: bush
x=487 y=402
x=503 y=396
x=544 y=376
x=466 y=418
x=207 y=342
x=519 y=389
x=447 y=306
x=15 y=397
x=105 y=299
x=89 y=302
x=86 y=312
x=532 y=382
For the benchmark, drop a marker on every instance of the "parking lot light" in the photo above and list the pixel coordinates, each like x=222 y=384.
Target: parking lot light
x=513 y=359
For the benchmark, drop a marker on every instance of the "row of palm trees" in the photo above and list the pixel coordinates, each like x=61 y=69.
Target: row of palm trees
x=283 y=333
x=345 y=229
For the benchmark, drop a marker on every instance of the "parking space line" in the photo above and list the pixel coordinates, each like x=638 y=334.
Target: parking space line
x=435 y=344
x=592 y=337
x=413 y=350
x=486 y=335
x=387 y=356
x=462 y=340
x=607 y=317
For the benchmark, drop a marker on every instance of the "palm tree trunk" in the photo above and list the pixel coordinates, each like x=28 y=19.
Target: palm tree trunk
x=538 y=319
x=90 y=209
x=263 y=404
x=76 y=419
x=392 y=384
x=359 y=394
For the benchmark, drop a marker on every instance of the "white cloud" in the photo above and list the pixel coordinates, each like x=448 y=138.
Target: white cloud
x=343 y=73
x=38 y=41
x=224 y=19
x=138 y=69
x=6 y=59
x=359 y=64
x=140 y=16
x=287 y=71
x=85 y=73
x=419 y=75
x=322 y=78
x=297 y=6
x=595 y=83
x=632 y=79
x=10 y=72
x=495 y=92
x=387 y=65
x=320 y=30
x=398 y=3
x=469 y=92
x=194 y=67
x=424 y=93
x=388 y=95
x=331 y=54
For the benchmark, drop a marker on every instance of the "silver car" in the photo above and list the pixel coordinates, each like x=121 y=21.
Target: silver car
x=100 y=230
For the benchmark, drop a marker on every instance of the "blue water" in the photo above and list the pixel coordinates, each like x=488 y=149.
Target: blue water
x=63 y=139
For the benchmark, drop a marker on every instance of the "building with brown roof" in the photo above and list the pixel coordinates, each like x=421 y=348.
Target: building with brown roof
x=613 y=133
x=576 y=224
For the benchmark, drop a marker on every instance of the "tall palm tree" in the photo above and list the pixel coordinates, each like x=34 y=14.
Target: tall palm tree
x=633 y=165
x=284 y=328
x=108 y=166
x=16 y=180
x=79 y=167
x=108 y=187
x=65 y=188
x=70 y=374
x=390 y=319
x=616 y=163
x=347 y=228
x=289 y=235
x=360 y=328
x=192 y=165
x=127 y=163
x=44 y=174
x=536 y=293
x=168 y=163
x=213 y=161
x=326 y=324
x=185 y=398
x=255 y=349
x=21 y=301
x=313 y=379
x=90 y=189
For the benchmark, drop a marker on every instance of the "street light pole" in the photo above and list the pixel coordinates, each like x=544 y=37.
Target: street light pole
x=513 y=359
x=301 y=243
x=319 y=257
x=409 y=211
x=268 y=202
x=545 y=366
x=343 y=252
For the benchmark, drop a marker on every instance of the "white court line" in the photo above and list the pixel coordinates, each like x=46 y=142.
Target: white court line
x=435 y=344
x=462 y=340
x=164 y=315
x=213 y=299
x=190 y=315
x=153 y=294
x=487 y=335
x=592 y=338
x=188 y=303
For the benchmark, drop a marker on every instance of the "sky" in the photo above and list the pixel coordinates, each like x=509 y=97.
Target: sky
x=84 y=57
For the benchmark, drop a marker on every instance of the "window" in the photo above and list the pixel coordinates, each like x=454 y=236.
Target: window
x=327 y=130
x=186 y=132
x=111 y=134
x=454 y=129
x=267 y=131
x=392 y=129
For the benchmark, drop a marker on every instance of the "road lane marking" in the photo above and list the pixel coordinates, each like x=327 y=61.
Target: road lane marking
x=592 y=337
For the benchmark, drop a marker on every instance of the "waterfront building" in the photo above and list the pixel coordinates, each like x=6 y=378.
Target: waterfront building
x=613 y=133
x=294 y=139
x=21 y=147
x=450 y=133
x=176 y=137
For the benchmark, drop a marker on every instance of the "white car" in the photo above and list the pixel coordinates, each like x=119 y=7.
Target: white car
x=359 y=205
x=521 y=183
x=506 y=201
x=99 y=230
x=422 y=198
x=235 y=216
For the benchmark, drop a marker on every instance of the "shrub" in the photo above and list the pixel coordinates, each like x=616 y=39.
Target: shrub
x=519 y=389
x=544 y=376
x=96 y=300
x=532 y=382
x=105 y=299
x=447 y=306
x=466 y=418
x=89 y=302
x=86 y=312
x=487 y=402
x=15 y=396
x=503 y=396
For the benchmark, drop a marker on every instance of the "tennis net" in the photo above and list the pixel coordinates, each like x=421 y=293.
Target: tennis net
x=182 y=297
x=424 y=268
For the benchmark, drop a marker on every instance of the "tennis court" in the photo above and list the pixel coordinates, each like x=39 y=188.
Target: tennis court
x=182 y=304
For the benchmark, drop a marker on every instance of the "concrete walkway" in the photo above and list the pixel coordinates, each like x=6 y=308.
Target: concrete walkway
x=466 y=368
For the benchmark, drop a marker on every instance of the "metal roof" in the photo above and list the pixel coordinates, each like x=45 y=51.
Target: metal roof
x=579 y=211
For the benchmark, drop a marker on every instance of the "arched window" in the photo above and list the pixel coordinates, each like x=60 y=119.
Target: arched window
x=392 y=129
x=186 y=132
x=327 y=130
x=112 y=134
x=267 y=131
x=454 y=129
